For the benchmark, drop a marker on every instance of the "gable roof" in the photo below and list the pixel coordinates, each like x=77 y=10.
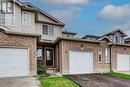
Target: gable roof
x=127 y=39
x=105 y=37
x=68 y=32
x=113 y=32
x=30 y=6
x=94 y=36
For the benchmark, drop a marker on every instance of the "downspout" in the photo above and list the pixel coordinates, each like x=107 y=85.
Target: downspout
x=111 y=56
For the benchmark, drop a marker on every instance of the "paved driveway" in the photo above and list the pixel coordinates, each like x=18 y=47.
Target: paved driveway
x=99 y=81
x=19 y=82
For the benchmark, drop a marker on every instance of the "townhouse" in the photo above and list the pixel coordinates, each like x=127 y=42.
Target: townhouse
x=30 y=37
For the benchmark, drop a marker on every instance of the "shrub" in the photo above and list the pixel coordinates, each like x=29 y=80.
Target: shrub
x=41 y=70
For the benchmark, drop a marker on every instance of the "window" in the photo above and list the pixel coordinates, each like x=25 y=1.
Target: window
x=39 y=53
x=100 y=55
x=7 y=7
x=107 y=55
x=2 y=19
x=48 y=30
x=68 y=35
x=117 y=39
x=122 y=40
x=25 y=18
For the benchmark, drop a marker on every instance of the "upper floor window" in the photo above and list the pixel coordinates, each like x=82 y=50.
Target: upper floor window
x=25 y=18
x=6 y=7
x=48 y=30
x=117 y=39
x=100 y=55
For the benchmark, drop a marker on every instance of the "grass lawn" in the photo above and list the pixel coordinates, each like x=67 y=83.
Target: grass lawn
x=57 y=82
x=120 y=75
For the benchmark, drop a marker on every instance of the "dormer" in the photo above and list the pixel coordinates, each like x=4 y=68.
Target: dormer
x=116 y=36
x=127 y=40
x=91 y=37
x=67 y=34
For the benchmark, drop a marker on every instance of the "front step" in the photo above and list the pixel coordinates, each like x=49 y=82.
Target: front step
x=53 y=72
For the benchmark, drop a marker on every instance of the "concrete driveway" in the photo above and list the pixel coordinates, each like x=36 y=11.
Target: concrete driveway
x=19 y=82
x=99 y=81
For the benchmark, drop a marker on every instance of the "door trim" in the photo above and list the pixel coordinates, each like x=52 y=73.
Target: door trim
x=45 y=55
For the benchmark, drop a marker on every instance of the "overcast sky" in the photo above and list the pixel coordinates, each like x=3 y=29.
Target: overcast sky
x=89 y=16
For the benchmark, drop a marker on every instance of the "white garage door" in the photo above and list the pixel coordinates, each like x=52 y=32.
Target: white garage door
x=13 y=62
x=81 y=62
x=123 y=62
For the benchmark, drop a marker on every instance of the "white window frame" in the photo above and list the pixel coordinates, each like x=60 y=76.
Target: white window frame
x=5 y=7
x=41 y=52
x=49 y=32
x=23 y=18
x=107 y=55
x=99 y=54
x=122 y=40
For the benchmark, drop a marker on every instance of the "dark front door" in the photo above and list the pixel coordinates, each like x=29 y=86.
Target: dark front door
x=49 y=57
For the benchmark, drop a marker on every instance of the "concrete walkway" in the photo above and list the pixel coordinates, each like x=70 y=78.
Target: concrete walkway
x=19 y=82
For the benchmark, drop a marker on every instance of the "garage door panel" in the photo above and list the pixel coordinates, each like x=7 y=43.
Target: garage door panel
x=14 y=62
x=123 y=62
x=81 y=62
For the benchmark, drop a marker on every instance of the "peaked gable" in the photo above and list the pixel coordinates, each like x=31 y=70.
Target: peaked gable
x=42 y=16
x=107 y=38
x=115 y=32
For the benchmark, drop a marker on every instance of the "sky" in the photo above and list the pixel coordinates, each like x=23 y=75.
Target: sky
x=95 y=17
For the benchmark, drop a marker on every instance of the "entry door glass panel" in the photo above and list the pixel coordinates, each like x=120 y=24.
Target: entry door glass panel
x=49 y=57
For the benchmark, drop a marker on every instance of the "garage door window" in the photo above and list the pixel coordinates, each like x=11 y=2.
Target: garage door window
x=99 y=55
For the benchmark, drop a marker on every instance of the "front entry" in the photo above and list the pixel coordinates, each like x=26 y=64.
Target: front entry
x=49 y=54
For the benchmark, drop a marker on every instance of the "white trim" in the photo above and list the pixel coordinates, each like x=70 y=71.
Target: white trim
x=45 y=55
x=29 y=15
x=48 y=28
x=107 y=55
x=106 y=38
x=42 y=52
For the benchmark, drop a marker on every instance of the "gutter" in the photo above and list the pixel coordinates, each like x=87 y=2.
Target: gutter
x=22 y=34
x=75 y=39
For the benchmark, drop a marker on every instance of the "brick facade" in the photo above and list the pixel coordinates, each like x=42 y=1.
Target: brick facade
x=65 y=46
x=21 y=42
x=118 y=50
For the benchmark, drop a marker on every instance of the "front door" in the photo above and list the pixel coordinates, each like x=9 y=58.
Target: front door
x=49 y=57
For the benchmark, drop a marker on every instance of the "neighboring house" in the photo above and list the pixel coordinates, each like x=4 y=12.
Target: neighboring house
x=91 y=37
x=127 y=40
x=31 y=37
x=67 y=34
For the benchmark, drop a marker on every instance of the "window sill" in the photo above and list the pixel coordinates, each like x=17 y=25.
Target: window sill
x=99 y=63
x=107 y=63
